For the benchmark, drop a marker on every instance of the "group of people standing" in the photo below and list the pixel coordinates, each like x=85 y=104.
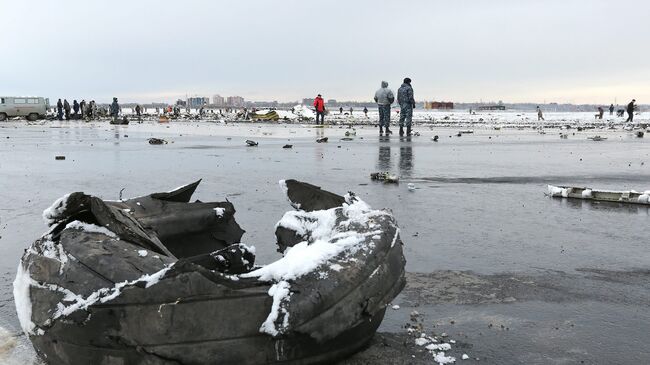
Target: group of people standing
x=384 y=98
x=77 y=111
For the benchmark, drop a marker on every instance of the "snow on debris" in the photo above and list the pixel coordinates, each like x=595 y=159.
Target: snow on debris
x=280 y=293
x=464 y=357
x=22 y=299
x=87 y=227
x=324 y=239
x=557 y=191
x=395 y=307
x=55 y=210
x=285 y=190
x=143 y=253
x=327 y=239
x=219 y=212
x=73 y=302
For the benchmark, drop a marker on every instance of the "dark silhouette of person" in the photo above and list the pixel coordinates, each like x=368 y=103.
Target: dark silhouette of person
x=630 y=111
x=611 y=109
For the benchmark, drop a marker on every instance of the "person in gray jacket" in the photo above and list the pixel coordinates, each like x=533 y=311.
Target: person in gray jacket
x=407 y=104
x=384 y=98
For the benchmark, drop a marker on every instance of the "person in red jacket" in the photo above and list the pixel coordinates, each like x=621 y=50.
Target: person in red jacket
x=319 y=104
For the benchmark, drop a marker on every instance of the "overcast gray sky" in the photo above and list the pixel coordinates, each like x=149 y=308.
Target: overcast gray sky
x=576 y=51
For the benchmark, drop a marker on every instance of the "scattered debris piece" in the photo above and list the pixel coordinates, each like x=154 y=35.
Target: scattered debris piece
x=250 y=143
x=167 y=250
x=386 y=177
x=322 y=139
x=157 y=141
x=631 y=197
x=597 y=138
x=640 y=134
x=465 y=357
x=287 y=146
x=60 y=157
x=411 y=186
x=395 y=307
x=434 y=138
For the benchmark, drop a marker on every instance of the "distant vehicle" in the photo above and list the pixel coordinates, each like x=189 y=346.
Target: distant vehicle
x=32 y=108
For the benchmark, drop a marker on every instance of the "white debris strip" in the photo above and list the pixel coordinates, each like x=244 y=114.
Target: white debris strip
x=220 y=212
x=55 y=210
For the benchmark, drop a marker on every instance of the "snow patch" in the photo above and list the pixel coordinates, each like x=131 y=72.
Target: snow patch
x=219 y=212
x=57 y=208
x=22 y=299
x=280 y=293
x=87 y=227
x=143 y=253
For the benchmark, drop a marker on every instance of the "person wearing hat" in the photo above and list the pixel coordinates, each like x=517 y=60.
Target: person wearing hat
x=319 y=105
x=384 y=98
x=630 y=111
x=406 y=103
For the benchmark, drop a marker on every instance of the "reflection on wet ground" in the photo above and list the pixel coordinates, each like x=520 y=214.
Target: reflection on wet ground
x=477 y=224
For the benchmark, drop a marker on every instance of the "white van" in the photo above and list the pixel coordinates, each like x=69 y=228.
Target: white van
x=30 y=107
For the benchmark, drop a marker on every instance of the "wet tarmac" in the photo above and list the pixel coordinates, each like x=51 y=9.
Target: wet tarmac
x=509 y=274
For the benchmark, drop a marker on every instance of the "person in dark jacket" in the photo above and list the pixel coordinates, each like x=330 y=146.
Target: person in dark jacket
x=75 y=107
x=406 y=102
x=115 y=109
x=59 y=110
x=138 y=111
x=66 y=108
x=630 y=111
x=319 y=105
x=611 y=109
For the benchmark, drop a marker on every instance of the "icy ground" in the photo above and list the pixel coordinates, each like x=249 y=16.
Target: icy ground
x=485 y=248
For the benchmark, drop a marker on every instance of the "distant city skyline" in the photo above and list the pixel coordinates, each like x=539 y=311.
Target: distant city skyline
x=576 y=51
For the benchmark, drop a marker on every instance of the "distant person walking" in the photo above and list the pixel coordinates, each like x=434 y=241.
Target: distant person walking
x=59 y=110
x=384 y=97
x=611 y=109
x=351 y=110
x=341 y=110
x=138 y=111
x=630 y=111
x=601 y=111
x=365 y=111
x=115 y=109
x=75 y=107
x=406 y=102
x=66 y=108
x=319 y=105
x=540 y=115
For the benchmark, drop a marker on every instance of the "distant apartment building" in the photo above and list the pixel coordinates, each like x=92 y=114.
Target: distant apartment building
x=218 y=101
x=331 y=102
x=236 y=101
x=197 y=101
x=308 y=101
x=181 y=102
x=438 y=105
